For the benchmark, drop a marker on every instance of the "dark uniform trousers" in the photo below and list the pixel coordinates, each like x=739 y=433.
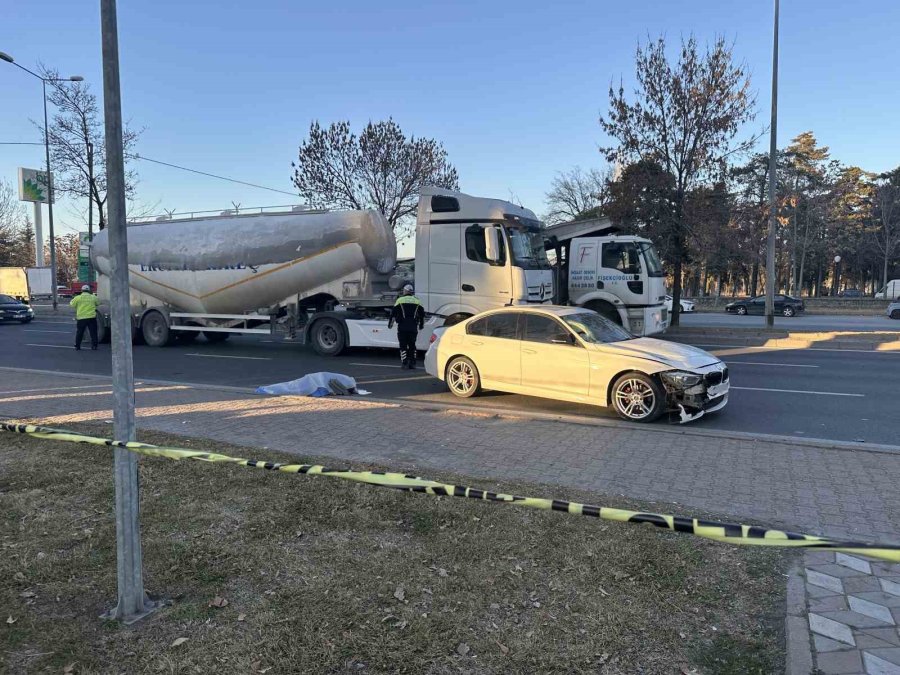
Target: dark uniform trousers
x=407 y=341
x=91 y=326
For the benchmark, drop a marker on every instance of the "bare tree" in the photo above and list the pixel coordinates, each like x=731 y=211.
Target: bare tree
x=380 y=169
x=577 y=194
x=78 y=148
x=16 y=235
x=887 y=218
x=685 y=116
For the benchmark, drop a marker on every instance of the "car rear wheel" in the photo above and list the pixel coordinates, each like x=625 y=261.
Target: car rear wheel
x=638 y=398
x=463 y=378
x=740 y=309
x=895 y=314
x=788 y=311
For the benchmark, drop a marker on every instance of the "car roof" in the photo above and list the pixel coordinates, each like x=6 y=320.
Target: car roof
x=553 y=310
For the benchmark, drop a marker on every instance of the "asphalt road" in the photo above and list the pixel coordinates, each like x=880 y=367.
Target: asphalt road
x=802 y=322
x=838 y=395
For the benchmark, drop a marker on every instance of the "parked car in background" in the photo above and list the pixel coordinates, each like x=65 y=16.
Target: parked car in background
x=851 y=293
x=574 y=354
x=893 y=310
x=686 y=305
x=891 y=291
x=784 y=305
x=14 y=310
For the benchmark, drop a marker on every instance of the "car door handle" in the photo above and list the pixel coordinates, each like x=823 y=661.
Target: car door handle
x=525 y=350
x=469 y=288
x=477 y=343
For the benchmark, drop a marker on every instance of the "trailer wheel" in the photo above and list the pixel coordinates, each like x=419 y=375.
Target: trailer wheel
x=328 y=337
x=155 y=330
x=104 y=334
x=214 y=337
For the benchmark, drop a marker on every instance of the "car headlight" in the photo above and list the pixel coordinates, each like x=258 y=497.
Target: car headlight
x=680 y=379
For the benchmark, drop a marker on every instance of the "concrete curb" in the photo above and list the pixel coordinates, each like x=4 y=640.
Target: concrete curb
x=486 y=411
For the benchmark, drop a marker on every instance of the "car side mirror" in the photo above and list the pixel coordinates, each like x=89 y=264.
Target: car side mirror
x=492 y=244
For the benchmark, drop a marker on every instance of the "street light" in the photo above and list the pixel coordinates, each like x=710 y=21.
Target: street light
x=44 y=80
x=837 y=273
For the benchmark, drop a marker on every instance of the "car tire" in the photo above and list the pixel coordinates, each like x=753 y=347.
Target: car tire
x=895 y=314
x=740 y=310
x=788 y=311
x=638 y=398
x=155 y=330
x=328 y=337
x=462 y=377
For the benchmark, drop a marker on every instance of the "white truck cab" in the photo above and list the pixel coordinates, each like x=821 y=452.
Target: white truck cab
x=890 y=291
x=618 y=276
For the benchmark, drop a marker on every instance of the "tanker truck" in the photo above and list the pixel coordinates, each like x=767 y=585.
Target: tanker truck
x=325 y=278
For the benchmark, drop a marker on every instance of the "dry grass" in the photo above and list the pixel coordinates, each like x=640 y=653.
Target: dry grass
x=326 y=576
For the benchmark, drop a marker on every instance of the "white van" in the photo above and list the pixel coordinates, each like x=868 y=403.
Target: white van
x=889 y=292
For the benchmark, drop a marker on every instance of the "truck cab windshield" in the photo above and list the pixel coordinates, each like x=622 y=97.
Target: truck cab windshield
x=526 y=243
x=654 y=267
x=591 y=327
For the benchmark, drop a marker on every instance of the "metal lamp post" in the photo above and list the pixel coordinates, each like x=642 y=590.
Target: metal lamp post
x=837 y=275
x=773 y=159
x=44 y=80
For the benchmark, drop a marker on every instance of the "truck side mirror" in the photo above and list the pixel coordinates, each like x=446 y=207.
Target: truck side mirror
x=492 y=244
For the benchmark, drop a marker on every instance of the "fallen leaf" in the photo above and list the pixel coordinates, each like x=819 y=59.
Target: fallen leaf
x=241 y=617
x=462 y=649
x=503 y=648
x=11 y=620
x=18 y=576
x=442 y=572
x=603 y=657
x=27 y=594
x=179 y=641
x=400 y=593
x=686 y=671
x=494 y=605
x=218 y=601
x=69 y=669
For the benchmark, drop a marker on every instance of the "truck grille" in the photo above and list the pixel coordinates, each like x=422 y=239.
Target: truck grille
x=718 y=377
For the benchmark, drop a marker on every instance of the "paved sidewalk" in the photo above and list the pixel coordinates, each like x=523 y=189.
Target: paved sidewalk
x=850 y=493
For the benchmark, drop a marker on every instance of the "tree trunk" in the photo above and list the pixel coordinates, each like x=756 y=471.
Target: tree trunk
x=676 y=291
x=754 y=278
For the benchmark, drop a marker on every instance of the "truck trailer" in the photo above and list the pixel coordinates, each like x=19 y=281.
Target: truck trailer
x=327 y=278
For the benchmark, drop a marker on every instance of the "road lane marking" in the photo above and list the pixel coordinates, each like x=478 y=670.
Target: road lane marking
x=40 y=330
x=780 y=365
x=801 y=391
x=791 y=349
x=222 y=356
x=395 y=379
x=53 y=346
x=5 y=392
x=375 y=365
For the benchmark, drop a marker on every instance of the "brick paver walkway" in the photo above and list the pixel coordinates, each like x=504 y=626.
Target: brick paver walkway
x=848 y=493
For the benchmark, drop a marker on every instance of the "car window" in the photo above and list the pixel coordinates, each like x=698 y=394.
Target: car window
x=544 y=329
x=475 y=246
x=6 y=298
x=477 y=327
x=780 y=298
x=759 y=300
x=592 y=327
x=503 y=325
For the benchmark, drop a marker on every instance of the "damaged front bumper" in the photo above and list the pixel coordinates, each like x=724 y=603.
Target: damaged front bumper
x=695 y=393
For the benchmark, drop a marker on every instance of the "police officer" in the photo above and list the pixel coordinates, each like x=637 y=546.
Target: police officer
x=85 y=305
x=409 y=315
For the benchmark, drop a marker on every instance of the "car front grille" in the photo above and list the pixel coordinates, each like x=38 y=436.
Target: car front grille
x=718 y=377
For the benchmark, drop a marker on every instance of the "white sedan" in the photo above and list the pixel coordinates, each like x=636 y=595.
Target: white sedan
x=574 y=354
x=686 y=305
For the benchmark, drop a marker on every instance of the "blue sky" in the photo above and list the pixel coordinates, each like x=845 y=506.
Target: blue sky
x=512 y=89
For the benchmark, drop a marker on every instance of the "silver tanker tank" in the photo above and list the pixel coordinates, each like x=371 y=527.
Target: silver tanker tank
x=235 y=264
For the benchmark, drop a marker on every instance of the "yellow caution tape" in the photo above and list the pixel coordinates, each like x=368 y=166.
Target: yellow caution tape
x=730 y=533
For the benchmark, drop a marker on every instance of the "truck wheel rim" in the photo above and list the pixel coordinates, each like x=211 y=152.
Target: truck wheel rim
x=462 y=377
x=635 y=399
x=328 y=336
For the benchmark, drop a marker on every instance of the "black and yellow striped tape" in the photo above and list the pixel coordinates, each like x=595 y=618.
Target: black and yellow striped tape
x=723 y=532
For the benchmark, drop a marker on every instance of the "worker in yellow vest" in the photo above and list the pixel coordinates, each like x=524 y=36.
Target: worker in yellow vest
x=409 y=315
x=85 y=304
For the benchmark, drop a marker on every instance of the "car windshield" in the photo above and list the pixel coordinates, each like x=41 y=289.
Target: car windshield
x=7 y=298
x=527 y=246
x=591 y=327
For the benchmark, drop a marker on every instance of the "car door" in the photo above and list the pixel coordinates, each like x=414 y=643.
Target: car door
x=779 y=303
x=492 y=343
x=554 y=363
x=484 y=284
x=757 y=305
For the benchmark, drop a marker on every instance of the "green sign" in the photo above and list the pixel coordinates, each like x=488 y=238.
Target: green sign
x=33 y=186
x=86 y=273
